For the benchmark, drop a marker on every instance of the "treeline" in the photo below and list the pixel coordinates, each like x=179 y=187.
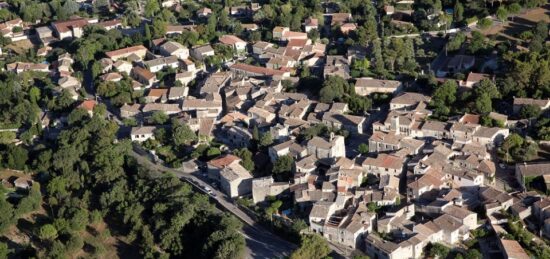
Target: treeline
x=89 y=177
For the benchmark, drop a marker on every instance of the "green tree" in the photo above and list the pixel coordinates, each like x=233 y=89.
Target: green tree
x=159 y=117
x=458 y=11
x=483 y=104
x=529 y=111
x=7 y=217
x=484 y=23
x=502 y=13
x=246 y=158
x=333 y=89
x=4 y=250
x=283 y=166
x=47 y=232
x=183 y=135
x=151 y=8
x=438 y=250
x=443 y=98
x=266 y=139
x=363 y=148
x=312 y=246
x=514 y=9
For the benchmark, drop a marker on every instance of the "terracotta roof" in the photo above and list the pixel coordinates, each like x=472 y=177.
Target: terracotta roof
x=230 y=39
x=144 y=73
x=256 y=69
x=125 y=51
x=66 y=26
x=157 y=92
x=224 y=161
x=88 y=105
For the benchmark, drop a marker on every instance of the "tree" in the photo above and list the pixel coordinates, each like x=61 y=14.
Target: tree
x=529 y=111
x=514 y=9
x=333 y=89
x=312 y=246
x=266 y=139
x=483 y=104
x=502 y=13
x=159 y=117
x=363 y=148
x=7 y=216
x=484 y=23
x=4 y=250
x=183 y=135
x=47 y=232
x=438 y=250
x=443 y=98
x=151 y=8
x=246 y=158
x=458 y=11
x=283 y=166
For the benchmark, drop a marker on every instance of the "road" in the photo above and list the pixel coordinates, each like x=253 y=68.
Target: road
x=260 y=243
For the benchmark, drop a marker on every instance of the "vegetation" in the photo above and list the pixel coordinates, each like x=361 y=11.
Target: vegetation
x=312 y=246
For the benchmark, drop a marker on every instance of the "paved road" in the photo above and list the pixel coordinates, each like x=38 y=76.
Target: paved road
x=260 y=243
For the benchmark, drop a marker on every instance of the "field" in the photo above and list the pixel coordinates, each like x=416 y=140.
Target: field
x=511 y=29
x=20 y=47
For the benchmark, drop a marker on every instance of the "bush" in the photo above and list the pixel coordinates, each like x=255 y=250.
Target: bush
x=484 y=23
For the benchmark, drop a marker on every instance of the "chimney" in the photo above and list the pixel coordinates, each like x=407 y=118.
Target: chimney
x=395 y=124
x=331 y=136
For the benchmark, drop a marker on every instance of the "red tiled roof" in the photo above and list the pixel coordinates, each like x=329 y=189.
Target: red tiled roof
x=223 y=161
x=88 y=105
x=127 y=50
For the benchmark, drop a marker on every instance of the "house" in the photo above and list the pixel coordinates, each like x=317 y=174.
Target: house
x=512 y=249
x=203 y=107
x=157 y=95
x=472 y=79
x=241 y=69
x=129 y=110
x=346 y=28
x=453 y=230
x=73 y=28
x=367 y=86
x=353 y=124
x=234 y=179
x=141 y=134
x=185 y=78
x=266 y=186
x=490 y=136
x=143 y=76
x=527 y=172
x=172 y=48
x=204 y=12
x=408 y=100
x=235 y=42
x=260 y=116
x=457 y=64
x=337 y=66
x=168 y=108
x=159 y=64
x=177 y=93
x=520 y=102
x=311 y=24
x=332 y=148
x=110 y=24
x=123 y=66
x=88 y=105
x=339 y=18
x=431 y=180
x=384 y=164
x=20 y=67
x=289 y=147
x=111 y=77
x=201 y=52
x=138 y=51
x=260 y=47
x=67 y=82
x=22 y=183
x=45 y=34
